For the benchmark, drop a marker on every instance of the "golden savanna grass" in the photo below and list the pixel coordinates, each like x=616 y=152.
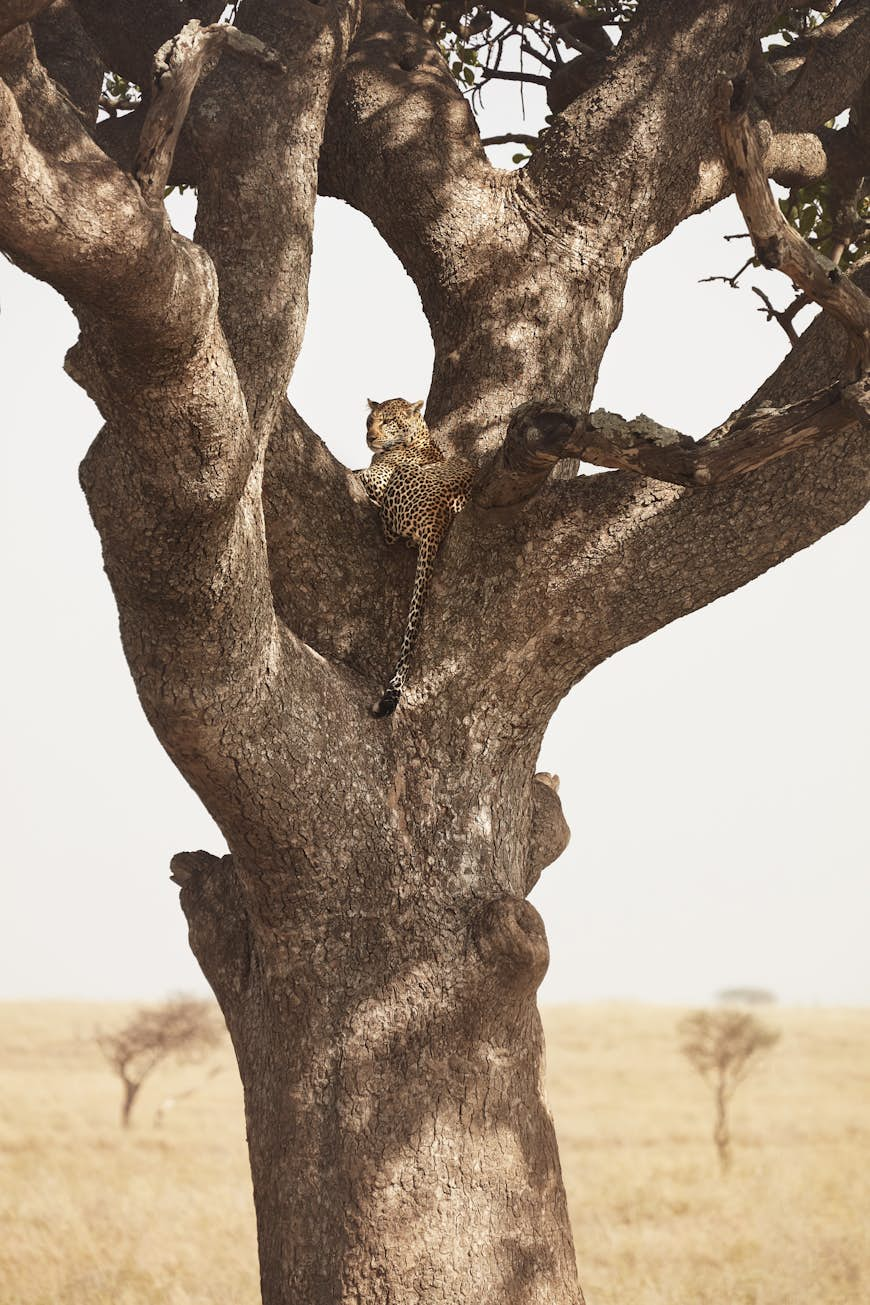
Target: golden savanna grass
x=163 y=1216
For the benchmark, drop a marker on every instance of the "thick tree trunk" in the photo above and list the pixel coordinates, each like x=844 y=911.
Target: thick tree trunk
x=131 y=1091
x=385 y=1025
x=721 y=1131
x=368 y=936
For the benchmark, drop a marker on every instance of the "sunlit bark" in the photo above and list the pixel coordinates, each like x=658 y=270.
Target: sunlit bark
x=368 y=936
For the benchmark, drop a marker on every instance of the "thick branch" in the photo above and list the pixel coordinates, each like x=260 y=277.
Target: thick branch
x=537 y=438
x=69 y=56
x=576 y=19
x=632 y=144
x=609 y=559
x=804 y=87
x=778 y=245
x=15 y=12
x=540 y=434
x=173 y=480
x=734 y=449
x=98 y=256
x=635 y=141
x=821 y=75
x=127 y=32
x=790 y=159
x=257 y=189
x=119 y=138
x=427 y=185
x=178 y=66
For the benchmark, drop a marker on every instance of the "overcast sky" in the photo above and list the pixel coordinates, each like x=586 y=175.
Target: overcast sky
x=714 y=776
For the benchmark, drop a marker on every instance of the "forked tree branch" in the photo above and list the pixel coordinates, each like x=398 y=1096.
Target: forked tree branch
x=822 y=74
x=97 y=257
x=778 y=245
x=540 y=434
x=785 y=316
x=178 y=66
x=619 y=146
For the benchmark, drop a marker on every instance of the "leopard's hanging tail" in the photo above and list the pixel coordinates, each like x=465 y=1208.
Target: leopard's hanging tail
x=422 y=579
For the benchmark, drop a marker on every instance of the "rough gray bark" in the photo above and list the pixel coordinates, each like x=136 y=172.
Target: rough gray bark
x=368 y=936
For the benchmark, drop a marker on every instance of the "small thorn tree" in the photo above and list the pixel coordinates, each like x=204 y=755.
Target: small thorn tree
x=722 y=1045
x=183 y=1027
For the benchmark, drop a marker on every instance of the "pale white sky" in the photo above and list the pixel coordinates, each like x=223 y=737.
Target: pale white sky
x=714 y=776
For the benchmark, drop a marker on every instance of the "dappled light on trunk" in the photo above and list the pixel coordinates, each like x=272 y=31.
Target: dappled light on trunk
x=367 y=935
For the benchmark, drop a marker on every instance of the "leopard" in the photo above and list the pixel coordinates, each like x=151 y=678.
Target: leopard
x=418 y=490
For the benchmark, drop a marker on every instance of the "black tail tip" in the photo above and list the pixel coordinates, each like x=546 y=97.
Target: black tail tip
x=388 y=703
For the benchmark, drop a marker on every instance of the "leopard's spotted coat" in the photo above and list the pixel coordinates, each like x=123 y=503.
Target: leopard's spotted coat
x=418 y=491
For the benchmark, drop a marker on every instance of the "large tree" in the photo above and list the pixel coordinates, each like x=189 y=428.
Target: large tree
x=368 y=936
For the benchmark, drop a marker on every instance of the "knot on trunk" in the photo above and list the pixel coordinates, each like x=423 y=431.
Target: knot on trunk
x=549 y=834
x=509 y=936
x=184 y=865
x=217 y=917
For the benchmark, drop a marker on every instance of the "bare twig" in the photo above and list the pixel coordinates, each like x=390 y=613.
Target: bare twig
x=505 y=75
x=784 y=316
x=527 y=46
x=730 y=280
x=178 y=66
x=509 y=139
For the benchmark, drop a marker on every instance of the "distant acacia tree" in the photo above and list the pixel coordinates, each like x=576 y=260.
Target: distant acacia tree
x=721 y=1045
x=746 y=997
x=183 y=1027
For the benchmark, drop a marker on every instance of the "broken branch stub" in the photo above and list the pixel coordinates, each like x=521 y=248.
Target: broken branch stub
x=538 y=436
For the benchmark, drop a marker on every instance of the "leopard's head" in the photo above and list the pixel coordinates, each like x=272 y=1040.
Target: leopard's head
x=395 y=423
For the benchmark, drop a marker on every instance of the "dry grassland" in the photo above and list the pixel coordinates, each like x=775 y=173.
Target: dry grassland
x=162 y=1216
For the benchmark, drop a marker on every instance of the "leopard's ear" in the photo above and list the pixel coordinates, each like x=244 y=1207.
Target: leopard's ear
x=418 y=406
x=373 y=403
